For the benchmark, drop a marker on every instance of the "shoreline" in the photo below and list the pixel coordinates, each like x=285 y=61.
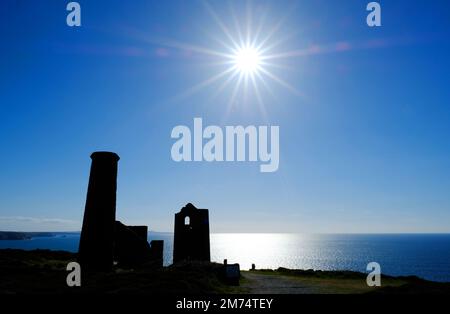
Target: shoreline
x=44 y=271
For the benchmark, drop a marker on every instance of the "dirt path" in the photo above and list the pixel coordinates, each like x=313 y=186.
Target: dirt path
x=261 y=283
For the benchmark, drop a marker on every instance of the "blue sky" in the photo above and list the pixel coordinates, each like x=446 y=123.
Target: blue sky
x=364 y=125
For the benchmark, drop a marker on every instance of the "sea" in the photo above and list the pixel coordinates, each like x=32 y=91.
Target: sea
x=423 y=255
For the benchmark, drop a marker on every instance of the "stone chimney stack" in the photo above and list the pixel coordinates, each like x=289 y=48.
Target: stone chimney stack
x=97 y=235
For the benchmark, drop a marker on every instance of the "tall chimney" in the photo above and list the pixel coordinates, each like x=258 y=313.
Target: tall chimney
x=97 y=235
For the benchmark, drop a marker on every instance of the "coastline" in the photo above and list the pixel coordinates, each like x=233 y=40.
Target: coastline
x=44 y=271
x=425 y=256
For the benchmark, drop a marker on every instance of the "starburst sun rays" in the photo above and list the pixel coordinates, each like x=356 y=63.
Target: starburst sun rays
x=247 y=65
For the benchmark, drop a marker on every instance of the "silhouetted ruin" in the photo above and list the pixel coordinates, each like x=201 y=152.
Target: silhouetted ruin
x=97 y=235
x=103 y=239
x=191 y=238
x=156 y=252
x=131 y=248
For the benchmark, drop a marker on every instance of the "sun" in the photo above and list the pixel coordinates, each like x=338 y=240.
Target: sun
x=247 y=60
x=246 y=52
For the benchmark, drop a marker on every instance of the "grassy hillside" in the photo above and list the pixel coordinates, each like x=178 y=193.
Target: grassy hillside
x=44 y=271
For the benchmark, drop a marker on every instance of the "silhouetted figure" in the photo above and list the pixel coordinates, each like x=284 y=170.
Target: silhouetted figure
x=191 y=239
x=97 y=235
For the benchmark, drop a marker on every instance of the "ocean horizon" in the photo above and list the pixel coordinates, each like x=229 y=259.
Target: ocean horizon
x=423 y=255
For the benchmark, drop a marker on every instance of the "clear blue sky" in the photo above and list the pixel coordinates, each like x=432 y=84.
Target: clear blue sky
x=364 y=128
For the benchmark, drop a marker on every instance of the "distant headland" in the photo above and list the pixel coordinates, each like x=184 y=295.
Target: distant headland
x=12 y=235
